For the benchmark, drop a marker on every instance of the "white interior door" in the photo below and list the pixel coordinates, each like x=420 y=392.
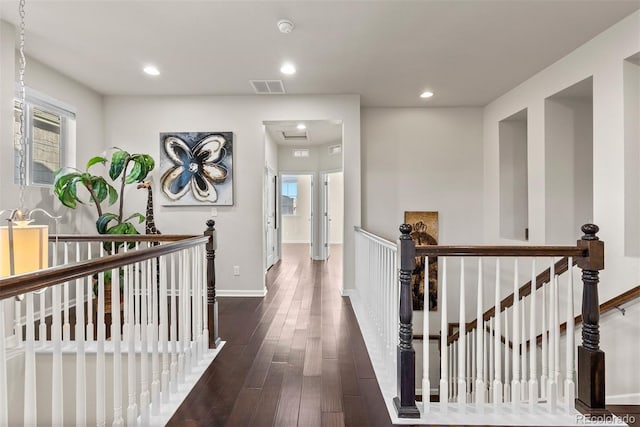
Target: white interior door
x=270 y=217
x=326 y=218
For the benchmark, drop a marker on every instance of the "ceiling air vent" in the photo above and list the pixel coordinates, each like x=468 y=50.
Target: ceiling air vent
x=294 y=135
x=303 y=152
x=335 y=149
x=267 y=87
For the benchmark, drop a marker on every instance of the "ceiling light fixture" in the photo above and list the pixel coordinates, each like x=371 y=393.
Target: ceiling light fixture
x=301 y=126
x=285 y=26
x=426 y=94
x=288 y=68
x=151 y=70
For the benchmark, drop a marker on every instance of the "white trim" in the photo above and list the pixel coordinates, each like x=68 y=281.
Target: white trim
x=623 y=399
x=296 y=241
x=240 y=293
x=347 y=292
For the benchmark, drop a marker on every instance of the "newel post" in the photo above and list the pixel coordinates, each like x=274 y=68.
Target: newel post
x=212 y=303
x=591 y=386
x=406 y=403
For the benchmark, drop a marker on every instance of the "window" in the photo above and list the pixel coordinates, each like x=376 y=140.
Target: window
x=49 y=128
x=289 y=195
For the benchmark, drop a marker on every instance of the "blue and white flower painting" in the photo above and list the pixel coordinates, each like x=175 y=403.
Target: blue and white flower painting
x=197 y=168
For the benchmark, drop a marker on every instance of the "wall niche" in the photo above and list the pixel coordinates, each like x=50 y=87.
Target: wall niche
x=514 y=192
x=631 y=72
x=569 y=162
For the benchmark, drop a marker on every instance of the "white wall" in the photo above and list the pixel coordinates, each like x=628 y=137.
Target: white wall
x=134 y=123
x=603 y=58
x=318 y=160
x=336 y=211
x=423 y=159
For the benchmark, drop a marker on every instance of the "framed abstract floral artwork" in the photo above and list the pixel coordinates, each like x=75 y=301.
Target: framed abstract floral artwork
x=196 y=168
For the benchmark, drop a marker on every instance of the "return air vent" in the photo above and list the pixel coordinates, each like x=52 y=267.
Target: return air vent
x=294 y=135
x=267 y=87
x=302 y=152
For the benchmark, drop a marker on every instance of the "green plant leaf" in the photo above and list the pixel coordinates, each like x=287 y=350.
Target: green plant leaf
x=134 y=174
x=103 y=222
x=95 y=160
x=140 y=217
x=119 y=161
x=113 y=194
x=64 y=188
x=99 y=186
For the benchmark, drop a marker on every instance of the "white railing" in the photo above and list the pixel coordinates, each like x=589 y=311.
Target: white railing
x=377 y=292
x=490 y=365
x=114 y=341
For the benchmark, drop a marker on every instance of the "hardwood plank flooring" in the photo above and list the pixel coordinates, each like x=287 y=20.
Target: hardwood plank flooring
x=293 y=358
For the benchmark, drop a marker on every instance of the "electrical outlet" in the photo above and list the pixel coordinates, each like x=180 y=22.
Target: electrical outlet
x=236 y=270
x=214 y=212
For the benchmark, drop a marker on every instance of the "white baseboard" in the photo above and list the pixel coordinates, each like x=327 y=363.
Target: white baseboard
x=623 y=399
x=347 y=292
x=241 y=293
x=296 y=241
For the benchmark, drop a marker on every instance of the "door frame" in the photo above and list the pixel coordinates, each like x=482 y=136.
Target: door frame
x=313 y=207
x=269 y=175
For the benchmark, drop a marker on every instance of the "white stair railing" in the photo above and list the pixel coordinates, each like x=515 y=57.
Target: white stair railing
x=149 y=293
x=490 y=362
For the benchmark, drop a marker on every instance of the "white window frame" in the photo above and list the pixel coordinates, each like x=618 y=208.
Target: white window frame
x=67 y=113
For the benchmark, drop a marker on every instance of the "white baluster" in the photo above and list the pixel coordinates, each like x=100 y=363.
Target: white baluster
x=507 y=358
x=426 y=384
x=205 y=307
x=164 y=330
x=81 y=368
x=444 y=365
x=569 y=385
x=462 y=341
x=137 y=310
x=17 y=324
x=533 y=348
x=117 y=350
x=89 y=299
x=4 y=396
x=544 y=356
x=194 y=312
x=454 y=371
x=552 y=385
x=42 y=325
x=181 y=312
x=145 y=398
x=173 y=367
x=155 y=358
x=66 y=329
x=132 y=408
x=480 y=347
x=56 y=378
x=515 y=381
x=492 y=365
x=497 y=380
x=186 y=310
x=30 y=415
x=470 y=365
x=523 y=351
x=101 y=414
x=556 y=335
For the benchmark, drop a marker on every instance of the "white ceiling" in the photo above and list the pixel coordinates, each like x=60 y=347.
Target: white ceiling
x=468 y=52
x=319 y=132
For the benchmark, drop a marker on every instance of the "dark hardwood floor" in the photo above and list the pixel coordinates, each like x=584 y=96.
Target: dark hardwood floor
x=293 y=358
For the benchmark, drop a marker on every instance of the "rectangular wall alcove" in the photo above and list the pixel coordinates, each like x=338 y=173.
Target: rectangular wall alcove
x=514 y=193
x=568 y=162
x=632 y=155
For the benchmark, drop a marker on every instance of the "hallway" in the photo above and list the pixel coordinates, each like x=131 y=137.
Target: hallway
x=295 y=357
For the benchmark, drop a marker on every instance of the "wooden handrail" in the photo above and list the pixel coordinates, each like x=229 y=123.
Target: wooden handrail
x=525 y=290
x=605 y=307
x=120 y=237
x=29 y=282
x=501 y=251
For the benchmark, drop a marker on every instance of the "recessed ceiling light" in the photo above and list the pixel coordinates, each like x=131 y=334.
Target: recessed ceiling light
x=288 y=68
x=426 y=94
x=301 y=126
x=151 y=70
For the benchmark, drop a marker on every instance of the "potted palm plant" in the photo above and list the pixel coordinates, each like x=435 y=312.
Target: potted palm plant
x=123 y=169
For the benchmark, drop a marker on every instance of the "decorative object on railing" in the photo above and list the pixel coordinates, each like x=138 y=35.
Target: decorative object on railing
x=162 y=326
